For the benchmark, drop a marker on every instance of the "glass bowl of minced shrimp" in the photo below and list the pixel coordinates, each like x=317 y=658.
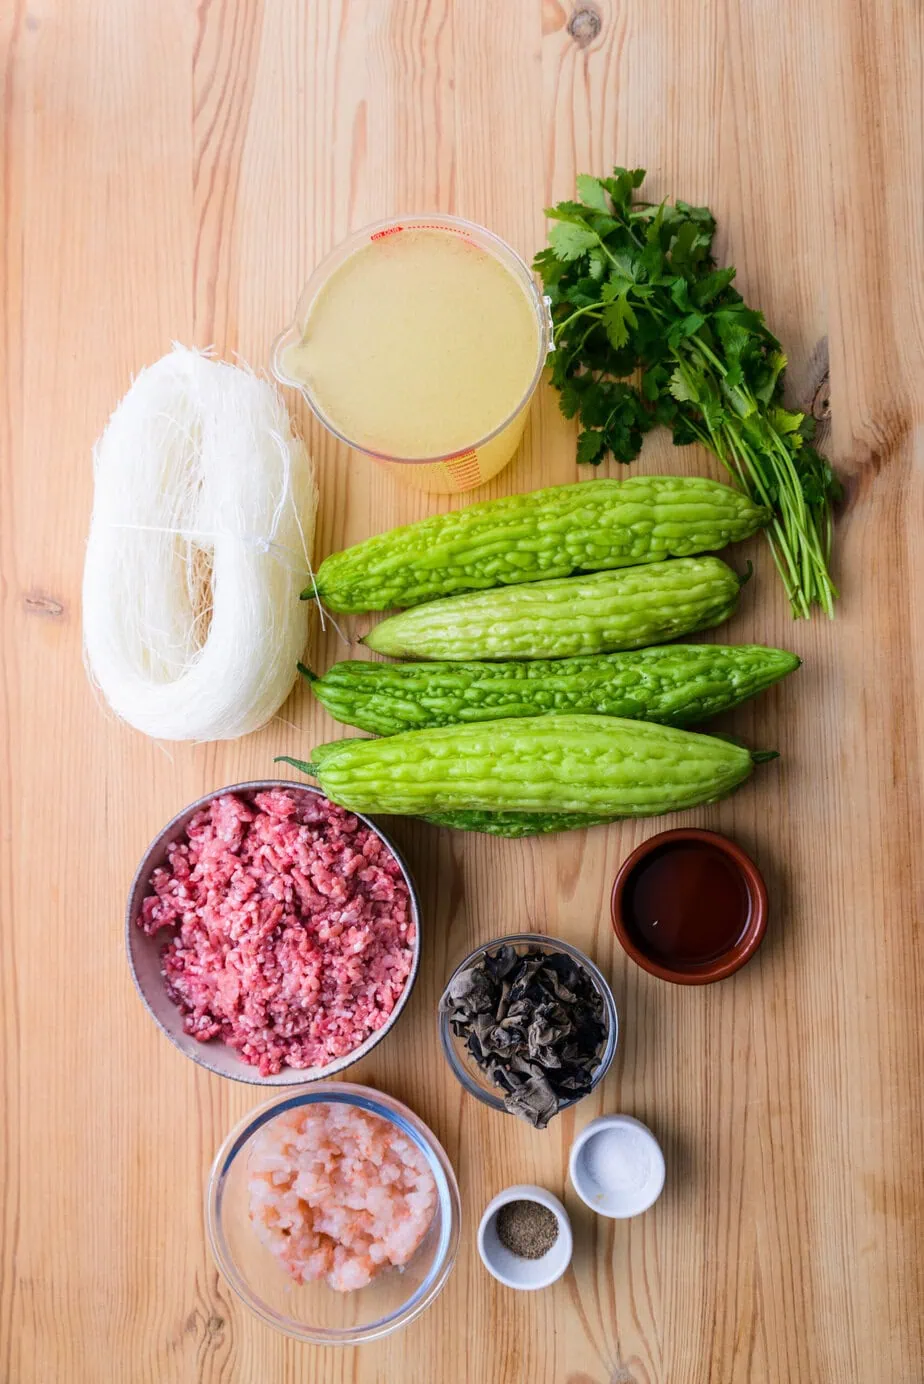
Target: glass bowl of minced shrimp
x=333 y=1212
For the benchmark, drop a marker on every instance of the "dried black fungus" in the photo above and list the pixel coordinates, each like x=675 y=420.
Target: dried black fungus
x=534 y=1022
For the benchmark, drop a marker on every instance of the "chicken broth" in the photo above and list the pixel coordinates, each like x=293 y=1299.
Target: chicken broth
x=419 y=345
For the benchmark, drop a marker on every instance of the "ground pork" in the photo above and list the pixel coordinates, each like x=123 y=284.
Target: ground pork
x=293 y=938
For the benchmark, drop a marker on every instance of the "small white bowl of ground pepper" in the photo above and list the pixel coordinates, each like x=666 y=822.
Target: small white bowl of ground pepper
x=524 y=1238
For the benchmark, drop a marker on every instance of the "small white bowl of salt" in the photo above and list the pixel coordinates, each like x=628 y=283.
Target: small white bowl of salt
x=617 y=1167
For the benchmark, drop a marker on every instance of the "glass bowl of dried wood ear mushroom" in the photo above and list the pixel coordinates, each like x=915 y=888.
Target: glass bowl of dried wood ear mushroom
x=528 y=1025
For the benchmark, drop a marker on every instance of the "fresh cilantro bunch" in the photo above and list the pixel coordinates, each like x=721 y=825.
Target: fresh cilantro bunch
x=648 y=330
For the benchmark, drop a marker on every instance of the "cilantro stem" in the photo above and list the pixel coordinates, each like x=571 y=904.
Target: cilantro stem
x=560 y=327
x=743 y=469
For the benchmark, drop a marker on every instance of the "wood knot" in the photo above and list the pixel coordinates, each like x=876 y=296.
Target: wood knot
x=584 y=25
x=818 y=400
x=37 y=603
x=821 y=400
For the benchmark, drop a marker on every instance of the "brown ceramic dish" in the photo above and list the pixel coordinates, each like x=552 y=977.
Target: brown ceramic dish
x=689 y=906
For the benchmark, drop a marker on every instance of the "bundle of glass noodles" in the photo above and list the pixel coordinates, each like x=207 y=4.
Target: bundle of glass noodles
x=200 y=542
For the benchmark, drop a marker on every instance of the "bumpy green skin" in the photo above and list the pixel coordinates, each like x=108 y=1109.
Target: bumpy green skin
x=677 y=685
x=571 y=617
x=515 y=825
x=549 y=533
x=512 y=825
x=599 y=765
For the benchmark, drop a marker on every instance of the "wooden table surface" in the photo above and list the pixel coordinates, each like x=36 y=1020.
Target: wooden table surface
x=173 y=171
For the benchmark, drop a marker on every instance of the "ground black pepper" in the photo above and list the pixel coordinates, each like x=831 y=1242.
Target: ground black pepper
x=527 y=1228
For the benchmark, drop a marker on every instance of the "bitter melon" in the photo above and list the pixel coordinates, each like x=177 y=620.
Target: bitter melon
x=515 y=825
x=598 y=765
x=676 y=685
x=586 y=527
x=565 y=618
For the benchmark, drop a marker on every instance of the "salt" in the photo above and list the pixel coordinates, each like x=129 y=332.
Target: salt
x=619 y=1160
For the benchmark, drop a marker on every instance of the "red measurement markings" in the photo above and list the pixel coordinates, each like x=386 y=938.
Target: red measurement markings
x=464 y=469
x=426 y=226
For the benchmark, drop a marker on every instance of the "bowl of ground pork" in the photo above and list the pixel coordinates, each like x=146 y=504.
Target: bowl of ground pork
x=273 y=936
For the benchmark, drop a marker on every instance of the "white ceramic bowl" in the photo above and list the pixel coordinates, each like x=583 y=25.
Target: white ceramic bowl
x=144 y=954
x=617 y=1167
x=508 y=1268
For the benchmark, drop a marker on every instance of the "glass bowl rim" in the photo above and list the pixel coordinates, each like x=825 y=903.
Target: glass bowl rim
x=447 y=1037
x=387 y=1107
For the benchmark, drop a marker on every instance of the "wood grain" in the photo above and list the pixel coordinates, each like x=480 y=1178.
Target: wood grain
x=173 y=171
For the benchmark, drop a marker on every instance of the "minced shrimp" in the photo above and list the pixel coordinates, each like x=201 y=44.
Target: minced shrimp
x=338 y=1193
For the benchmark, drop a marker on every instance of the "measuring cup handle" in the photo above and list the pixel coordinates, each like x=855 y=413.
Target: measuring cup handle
x=550 y=325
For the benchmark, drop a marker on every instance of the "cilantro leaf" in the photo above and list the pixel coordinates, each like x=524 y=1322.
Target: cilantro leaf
x=679 y=386
x=654 y=381
x=622 y=184
x=628 y=265
x=708 y=288
x=680 y=294
x=616 y=286
x=568 y=211
x=784 y=421
x=591 y=446
x=570 y=241
x=690 y=325
x=618 y=317
x=592 y=193
x=570 y=400
x=583 y=294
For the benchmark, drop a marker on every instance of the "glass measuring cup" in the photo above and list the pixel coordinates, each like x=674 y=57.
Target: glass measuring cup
x=459 y=467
